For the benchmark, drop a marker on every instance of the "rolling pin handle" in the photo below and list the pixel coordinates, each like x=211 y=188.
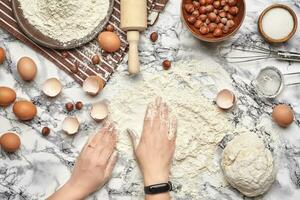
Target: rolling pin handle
x=133 y=57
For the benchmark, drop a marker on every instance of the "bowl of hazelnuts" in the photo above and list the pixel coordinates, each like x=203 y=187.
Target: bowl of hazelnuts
x=213 y=20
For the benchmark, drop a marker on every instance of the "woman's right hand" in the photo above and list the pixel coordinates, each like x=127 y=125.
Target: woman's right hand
x=156 y=148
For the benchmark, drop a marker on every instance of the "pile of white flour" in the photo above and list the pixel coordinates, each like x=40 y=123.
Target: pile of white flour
x=189 y=88
x=65 y=20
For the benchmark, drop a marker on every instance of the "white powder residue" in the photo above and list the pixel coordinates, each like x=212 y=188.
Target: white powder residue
x=65 y=20
x=189 y=88
x=278 y=23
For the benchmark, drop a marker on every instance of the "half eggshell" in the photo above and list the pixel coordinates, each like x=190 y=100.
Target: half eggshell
x=99 y=111
x=70 y=125
x=225 y=99
x=52 y=87
x=93 y=85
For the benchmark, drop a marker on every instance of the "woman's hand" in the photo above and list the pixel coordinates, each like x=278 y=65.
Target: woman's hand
x=93 y=167
x=157 y=144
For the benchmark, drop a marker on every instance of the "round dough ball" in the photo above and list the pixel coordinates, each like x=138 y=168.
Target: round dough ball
x=248 y=165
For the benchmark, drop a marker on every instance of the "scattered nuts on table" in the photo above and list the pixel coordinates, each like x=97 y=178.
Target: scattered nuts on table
x=166 y=64
x=79 y=105
x=2 y=55
x=95 y=59
x=154 y=36
x=219 y=13
x=64 y=54
x=75 y=68
x=69 y=106
x=45 y=131
x=110 y=28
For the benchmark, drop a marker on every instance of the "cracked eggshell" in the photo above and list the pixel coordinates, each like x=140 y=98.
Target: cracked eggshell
x=99 y=111
x=70 y=125
x=52 y=87
x=93 y=85
x=225 y=99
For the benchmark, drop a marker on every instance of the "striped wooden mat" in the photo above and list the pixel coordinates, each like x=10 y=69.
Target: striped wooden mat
x=77 y=62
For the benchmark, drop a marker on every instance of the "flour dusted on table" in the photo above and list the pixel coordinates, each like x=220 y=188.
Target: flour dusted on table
x=65 y=20
x=189 y=88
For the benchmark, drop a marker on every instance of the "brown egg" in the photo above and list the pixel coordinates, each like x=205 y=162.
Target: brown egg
x=10 y=142
x=283 y=115
x=7 y=96
x=27 y=68
x=109 y=41
x=24 y=110
x=2 y=55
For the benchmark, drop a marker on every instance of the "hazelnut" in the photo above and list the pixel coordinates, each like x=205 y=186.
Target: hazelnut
x=166 y=64
x=217 y=32
x=226 y=8
x=209 y=8
x=198 y=24
x=225 y=29
x=64 y=54
x=217 y=4
x=229 y=16
x=78 y=105
x=222 y=14
x=209 y=2
x=232 y=2
x=223 y=2
x=45 y=131
x=189 y=7
x=207 y=21
x=196 y=13
x=218 y=20
x=212 y=27
x=220 y=25
x=202 y=2
x=95 y=59
x=69 y=106
x=224 y=21
x=74 y=68
x=110 y=28
x=203 y=17
x=234 y=10
x=204 y=30
x=191 y=19
x=230 y=23
x=196 y=4
x=202 y=10
x=153 y=36
x=212 y=17
x=216 y=11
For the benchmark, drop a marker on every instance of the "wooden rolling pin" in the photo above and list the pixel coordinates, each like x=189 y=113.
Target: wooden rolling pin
x=133 y=20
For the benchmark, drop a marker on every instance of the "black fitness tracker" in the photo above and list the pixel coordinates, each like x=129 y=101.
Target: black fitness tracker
x=158 y=188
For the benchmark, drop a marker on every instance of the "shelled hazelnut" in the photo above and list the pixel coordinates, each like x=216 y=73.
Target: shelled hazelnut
x=69 y=106
x=45 y=131
x=166 y=64
x=95 y=59
x=154 y=36
x=78 y=105
x=110 y=28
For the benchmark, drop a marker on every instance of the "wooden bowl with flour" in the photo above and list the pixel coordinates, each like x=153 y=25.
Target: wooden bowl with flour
x=39 y=37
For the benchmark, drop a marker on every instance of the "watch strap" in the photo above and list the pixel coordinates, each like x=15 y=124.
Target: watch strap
x=158 y=188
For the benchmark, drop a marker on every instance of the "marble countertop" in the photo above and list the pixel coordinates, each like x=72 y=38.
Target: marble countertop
x=44 y=163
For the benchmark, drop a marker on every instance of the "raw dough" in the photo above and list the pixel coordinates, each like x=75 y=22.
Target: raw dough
x=247 y=165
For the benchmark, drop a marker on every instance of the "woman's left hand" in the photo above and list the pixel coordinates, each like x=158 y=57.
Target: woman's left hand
x=94 y=166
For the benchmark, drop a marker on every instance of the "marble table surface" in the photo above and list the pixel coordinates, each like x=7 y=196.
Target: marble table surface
x=44 y=163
